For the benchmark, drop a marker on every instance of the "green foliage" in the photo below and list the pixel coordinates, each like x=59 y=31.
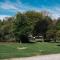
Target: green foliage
x=58 y=24
x=32 y=18
x=30 y=22
x=21 y=26
x=7 y=29
x=41 y=26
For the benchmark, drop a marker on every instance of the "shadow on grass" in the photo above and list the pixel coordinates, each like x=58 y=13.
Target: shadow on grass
x=29 y=42
x=53 y=42
x=58 y=45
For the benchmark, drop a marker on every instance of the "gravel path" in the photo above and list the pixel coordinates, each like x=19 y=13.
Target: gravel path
x=43 y=57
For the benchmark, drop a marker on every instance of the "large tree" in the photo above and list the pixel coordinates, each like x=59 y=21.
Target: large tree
x=21 y=28
x=41 y=26
x=7 y=29
x=32 y=18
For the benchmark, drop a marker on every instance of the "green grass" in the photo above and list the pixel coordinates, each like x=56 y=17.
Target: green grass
x=9 y=50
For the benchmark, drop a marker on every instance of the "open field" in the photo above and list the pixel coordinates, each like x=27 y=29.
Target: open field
x=15 y=50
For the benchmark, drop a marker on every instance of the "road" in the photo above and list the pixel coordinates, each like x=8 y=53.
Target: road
x=42 y=57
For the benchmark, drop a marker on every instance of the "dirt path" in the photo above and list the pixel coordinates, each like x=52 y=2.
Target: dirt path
x=43 y=57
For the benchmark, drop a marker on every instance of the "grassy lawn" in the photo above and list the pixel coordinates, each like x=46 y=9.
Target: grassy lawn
x=11 y=50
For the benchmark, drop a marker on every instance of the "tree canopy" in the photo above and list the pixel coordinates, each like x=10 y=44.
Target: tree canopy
x=22 y=24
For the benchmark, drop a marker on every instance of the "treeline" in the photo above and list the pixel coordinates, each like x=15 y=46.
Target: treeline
x=19 y=27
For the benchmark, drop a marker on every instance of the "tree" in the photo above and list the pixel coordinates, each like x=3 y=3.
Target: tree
x=7 y=29
x=58 y=24
x=1 y=33
x=21 y=28
x=24 y=24
x=32 y=18
x=41 y=26
x=51 y=32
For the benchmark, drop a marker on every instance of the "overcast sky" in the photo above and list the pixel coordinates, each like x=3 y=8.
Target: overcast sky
x=10 y=7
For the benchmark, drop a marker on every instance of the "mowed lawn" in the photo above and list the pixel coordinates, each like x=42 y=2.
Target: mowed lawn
x=14 y=50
